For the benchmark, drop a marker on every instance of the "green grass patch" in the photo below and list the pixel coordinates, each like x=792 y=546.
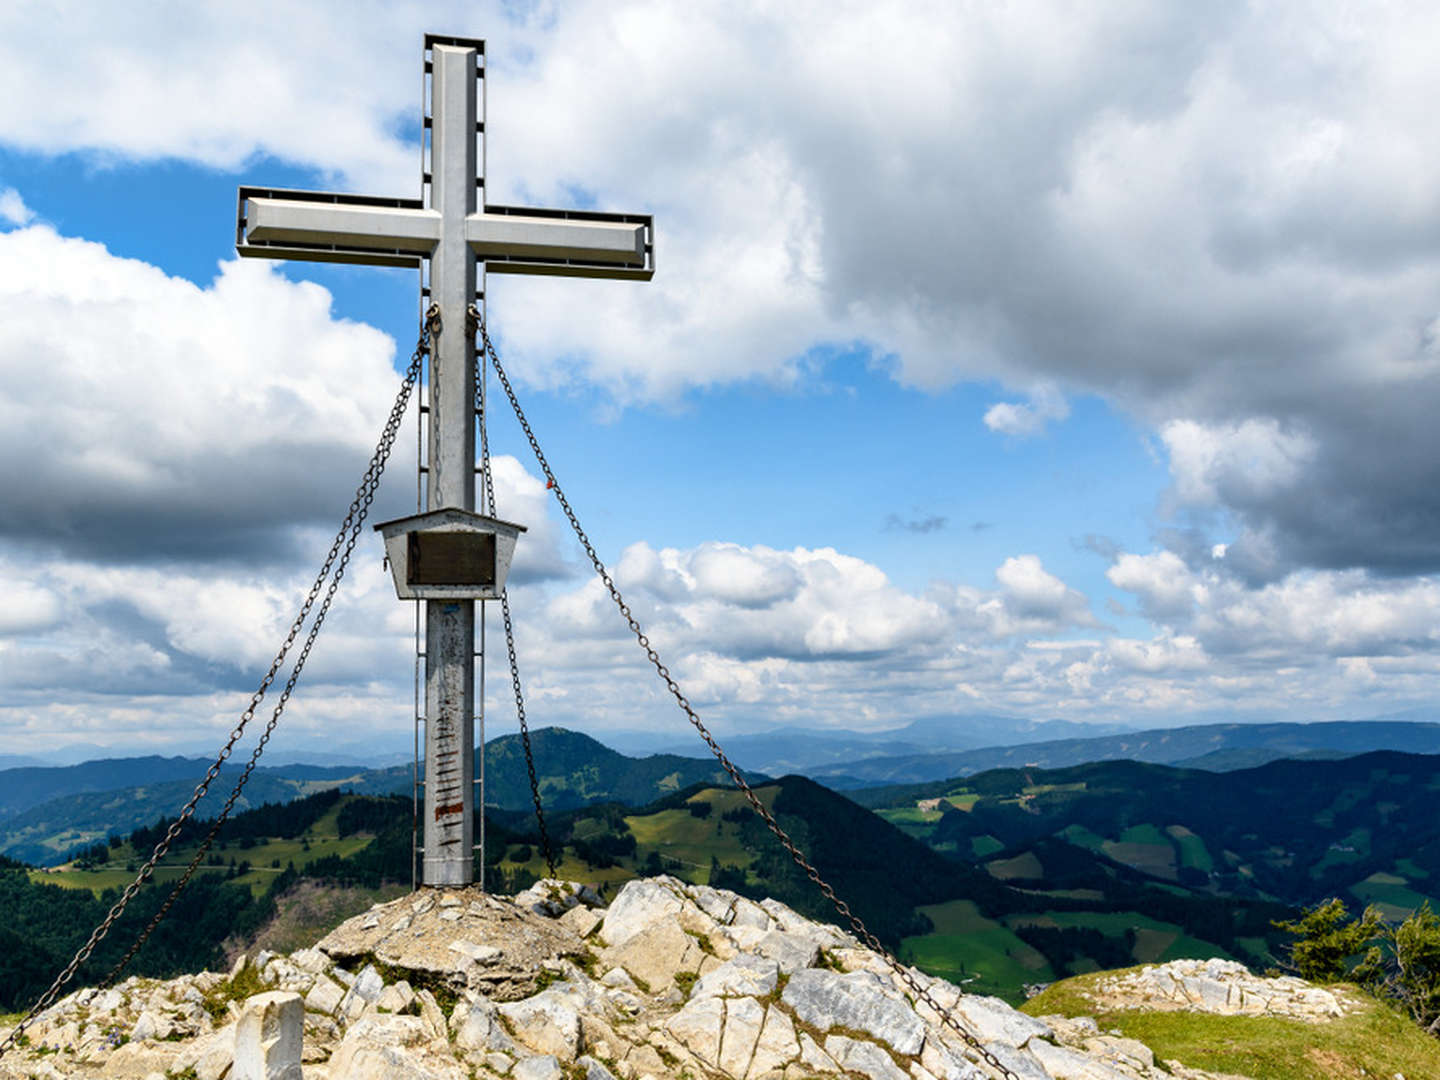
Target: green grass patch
x=1391 y=894
x=680 y=835
x=1025 y=866
x=970 y=950
x=1193 y=852
x=910 y=815
x=1151 y=944
x=957 y=917
x=1155 y=941
x=1151 y=857
x=1352 y=847
x=263 y=858
x=1083 y=837
x=982 y=846
x=1375 y=1041
x=1143 y=834
x=1411 y=870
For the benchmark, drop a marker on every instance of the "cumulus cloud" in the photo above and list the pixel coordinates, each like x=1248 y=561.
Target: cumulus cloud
x=1030 y=600
x=1137 y=202
x=1219 y=220
x=1023 y=419
x=206 y=424
x=13 y=210
x=759 y=602
x=1316 y=615
x=170 y=420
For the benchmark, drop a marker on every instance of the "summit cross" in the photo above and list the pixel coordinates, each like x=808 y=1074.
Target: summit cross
x=460 y=237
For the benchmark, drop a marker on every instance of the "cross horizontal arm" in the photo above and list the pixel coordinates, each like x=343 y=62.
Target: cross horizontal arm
x=555 y=238
x=362 y=227
x=332 y=227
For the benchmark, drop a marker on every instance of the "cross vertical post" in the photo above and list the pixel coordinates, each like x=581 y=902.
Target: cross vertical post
x=450 y=624
x=461 y=237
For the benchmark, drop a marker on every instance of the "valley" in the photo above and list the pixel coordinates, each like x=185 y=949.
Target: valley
x=998 y=881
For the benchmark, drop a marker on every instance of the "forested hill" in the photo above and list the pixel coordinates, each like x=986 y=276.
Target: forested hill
x=575 y=769
x=28 y=786
x=1294 y=830
x=54 y=812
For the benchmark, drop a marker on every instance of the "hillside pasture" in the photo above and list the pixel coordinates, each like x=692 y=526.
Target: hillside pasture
x=1392 y=894
x=970 y=950
x=267 y=858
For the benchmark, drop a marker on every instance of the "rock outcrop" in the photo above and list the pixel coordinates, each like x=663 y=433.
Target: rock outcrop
x=671 y=980
x=1219 y=986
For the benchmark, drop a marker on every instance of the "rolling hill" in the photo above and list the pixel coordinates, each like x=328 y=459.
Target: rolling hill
x=1293 y=831
x=55 y=811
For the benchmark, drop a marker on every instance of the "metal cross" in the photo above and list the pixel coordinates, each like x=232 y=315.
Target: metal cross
x=462 y=237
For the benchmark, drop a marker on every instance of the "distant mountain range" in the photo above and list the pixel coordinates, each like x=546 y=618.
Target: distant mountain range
x=1214 y=747
x=811 y=751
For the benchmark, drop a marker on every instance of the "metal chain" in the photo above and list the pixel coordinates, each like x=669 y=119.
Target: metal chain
x=856 y=925
x=359 y=510
x=351 y=524
x=485 y=472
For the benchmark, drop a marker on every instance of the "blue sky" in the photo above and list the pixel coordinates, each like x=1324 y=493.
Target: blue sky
x=1065 y=364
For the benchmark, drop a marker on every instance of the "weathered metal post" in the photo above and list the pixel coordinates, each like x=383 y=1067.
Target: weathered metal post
x=450 y=624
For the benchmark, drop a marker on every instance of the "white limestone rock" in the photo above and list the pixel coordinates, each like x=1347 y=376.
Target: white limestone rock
x=397 y=997
x=699 y=1026
x=538 y=1068
x=583 y=921
x=554 y=898
x=858 y=1000
x=325 y=996
x=638 y=906
x=383 y=1047
x=744 y=1017
x=594 y=1070
x=776 y=1046
x=1062 y=1063
x=746 y=975
x=655 y=953
x=865 y=1058
x=268 y=1037
x=478 y=1027
x=547 y=1023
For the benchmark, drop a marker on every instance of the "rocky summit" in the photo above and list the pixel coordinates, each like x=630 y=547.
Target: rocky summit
x=671 y=980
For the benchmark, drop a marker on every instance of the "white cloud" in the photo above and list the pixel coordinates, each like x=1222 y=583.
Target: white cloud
x=1023 y=419
x=1161 y=580
x=1239 y=464
x=13 y=209
x=759 y=602
x=1217 y=219
x=1304 y=618
x=26 y=607
x=1030 y=600
x=185 y=438
x=1214 y=219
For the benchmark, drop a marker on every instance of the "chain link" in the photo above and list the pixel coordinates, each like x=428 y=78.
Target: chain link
x=842 y=908
x=337 y=559
x=473 y=321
